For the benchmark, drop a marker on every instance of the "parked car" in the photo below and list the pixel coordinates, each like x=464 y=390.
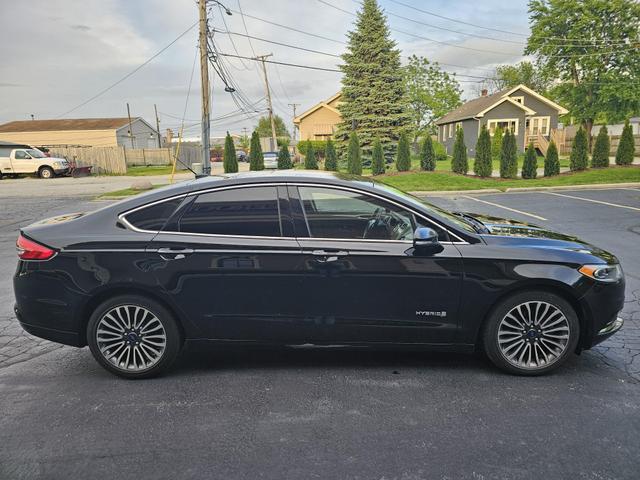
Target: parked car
x=270 y=160
x=309 y=258
x=31 y=161
x=242 y=156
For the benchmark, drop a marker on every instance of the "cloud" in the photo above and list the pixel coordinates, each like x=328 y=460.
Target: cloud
x=83 y=28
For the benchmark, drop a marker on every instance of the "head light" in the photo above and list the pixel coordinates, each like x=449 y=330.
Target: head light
x=602 y=273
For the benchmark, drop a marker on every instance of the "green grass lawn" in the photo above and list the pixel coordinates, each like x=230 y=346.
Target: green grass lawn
x=125 y=192
x=150 y=170
x=427 y=181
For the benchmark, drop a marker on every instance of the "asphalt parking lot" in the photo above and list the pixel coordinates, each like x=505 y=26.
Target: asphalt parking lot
x=326 y=413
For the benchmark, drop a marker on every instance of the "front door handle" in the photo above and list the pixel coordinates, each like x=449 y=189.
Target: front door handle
x=328 y=256
x=174 y=253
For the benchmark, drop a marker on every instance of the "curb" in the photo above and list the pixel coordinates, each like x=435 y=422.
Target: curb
x=596 y=186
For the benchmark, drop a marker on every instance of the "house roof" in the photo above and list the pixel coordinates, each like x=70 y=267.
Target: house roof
x=323 y=104
x=65 y=124
x=479 y=106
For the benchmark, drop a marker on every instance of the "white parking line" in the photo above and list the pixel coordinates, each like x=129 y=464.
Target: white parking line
x=537 y=217
x=594 y=201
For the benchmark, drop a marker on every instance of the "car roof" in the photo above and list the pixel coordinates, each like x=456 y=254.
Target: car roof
x=271 y=176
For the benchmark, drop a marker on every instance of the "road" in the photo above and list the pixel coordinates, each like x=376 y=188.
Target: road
x=326 y=413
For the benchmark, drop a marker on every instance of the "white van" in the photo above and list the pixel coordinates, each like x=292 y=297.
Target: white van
x=30 y=161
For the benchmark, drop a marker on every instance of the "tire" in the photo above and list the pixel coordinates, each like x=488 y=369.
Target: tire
x=531 y=333
x=46 y=172
x=125 y=335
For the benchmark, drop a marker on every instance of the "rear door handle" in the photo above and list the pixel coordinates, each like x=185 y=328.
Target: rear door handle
x=328 y=256
x=174 y=253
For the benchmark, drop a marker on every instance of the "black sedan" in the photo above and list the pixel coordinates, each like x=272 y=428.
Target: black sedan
x=299 y=258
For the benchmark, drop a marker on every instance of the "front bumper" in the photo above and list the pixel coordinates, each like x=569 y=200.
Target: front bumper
x=61 y=171
x=609 y=329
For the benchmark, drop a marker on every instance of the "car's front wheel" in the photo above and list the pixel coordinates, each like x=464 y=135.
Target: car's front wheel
x=531 y=333
x=46 y=172
x=133 y=336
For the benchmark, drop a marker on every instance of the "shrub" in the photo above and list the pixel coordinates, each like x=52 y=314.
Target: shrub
x=626 y=147
x=403 y=159
x=256 y=159
x=482 y=166
x=319 y=146
x=354 y=155
x=460 y=163
x=496 y=142
x=427 y=155
x=441 y=152
x=530 y=165
x=579 y=158
x=330 y=157
x=377 y=158
x=509 y=156
x=600 y=157
x=310 y=159
x=284 y=158
x=230 y=161
x=551 y=161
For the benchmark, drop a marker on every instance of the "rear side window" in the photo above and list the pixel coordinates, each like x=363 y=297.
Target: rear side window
x=249 y=211
x=153 y=217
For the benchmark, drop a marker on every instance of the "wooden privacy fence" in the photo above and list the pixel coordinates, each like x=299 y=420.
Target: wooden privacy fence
x=564 y=141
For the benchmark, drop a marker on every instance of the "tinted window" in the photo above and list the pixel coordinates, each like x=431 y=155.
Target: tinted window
x=333 y=213
x=155 y=216
x=241 y=211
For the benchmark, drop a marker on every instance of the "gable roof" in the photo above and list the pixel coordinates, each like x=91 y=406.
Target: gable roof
x=481 y=105
x=323 y=104
x=66 y=124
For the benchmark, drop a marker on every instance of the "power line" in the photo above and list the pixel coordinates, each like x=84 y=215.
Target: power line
x=246 y=30
x=282 y=44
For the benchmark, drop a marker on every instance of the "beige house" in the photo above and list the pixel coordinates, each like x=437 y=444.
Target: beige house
x=90 y=132
x=320 y=121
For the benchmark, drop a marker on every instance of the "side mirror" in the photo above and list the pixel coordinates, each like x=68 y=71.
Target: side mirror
x=425 y=240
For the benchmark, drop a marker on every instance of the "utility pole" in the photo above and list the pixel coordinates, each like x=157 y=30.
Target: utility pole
x=294 y=106
x=274 y=141
x=204 y=83
x=158 y=126
x=130 y=129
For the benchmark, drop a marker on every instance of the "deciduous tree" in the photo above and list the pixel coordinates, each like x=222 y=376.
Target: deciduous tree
x=264 y=127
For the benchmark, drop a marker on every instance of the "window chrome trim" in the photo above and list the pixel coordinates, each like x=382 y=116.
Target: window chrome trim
x=122 y=216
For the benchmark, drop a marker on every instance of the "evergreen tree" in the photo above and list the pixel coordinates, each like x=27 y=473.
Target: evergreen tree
x=530 y=165
x=229 y=160
x=427 y=155
x=330 y=157
x=579 y=158
x=551 y=161
x=403 y=160
x=626 y=147
x=496 y=142
x=373 y=94
x=600 y=157
x=460 y=163
x=377 y=158
x=354 y=155
x=256 y=159
x=482 y=166
x=310 y=159
x=284 y=158
x=509 y=156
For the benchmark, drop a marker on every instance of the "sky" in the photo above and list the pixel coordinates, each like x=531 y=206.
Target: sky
x=57 y=54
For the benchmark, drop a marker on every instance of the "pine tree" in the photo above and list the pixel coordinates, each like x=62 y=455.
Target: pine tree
x=330 y=157
x=354 y=155
x=509 y=156
x=579 y=158
x=377 y=158
x=482 y=166
x=496 y=143
x=460 y=163
x=256 y=159
x=229 y=161
x=373 y=94
x=403 y=160
x=427 y=154
x=530 y=165
x=551 y=161
x=310 y=159
x=600 y=157
x=284 y=158
x=626 y=147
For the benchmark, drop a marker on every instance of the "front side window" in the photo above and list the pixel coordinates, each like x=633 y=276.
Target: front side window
x=249 y=211
x=21 y=155
x=342 y=214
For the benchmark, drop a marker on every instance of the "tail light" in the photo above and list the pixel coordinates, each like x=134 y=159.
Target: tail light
x=30 y=250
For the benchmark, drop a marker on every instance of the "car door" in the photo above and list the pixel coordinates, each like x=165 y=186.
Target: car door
x=229 y=260
x=22 y=162
x=364 y=281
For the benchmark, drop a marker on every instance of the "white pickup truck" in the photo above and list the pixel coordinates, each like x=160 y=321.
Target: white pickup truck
x=31 y=161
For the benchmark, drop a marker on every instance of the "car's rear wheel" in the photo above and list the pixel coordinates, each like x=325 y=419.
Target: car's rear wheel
x=46 y=172
x=531 y=333
x=133 y=336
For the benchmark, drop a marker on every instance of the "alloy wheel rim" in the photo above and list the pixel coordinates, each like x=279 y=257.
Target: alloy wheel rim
x=46 y=173
x=131 y=338
x=533 y=335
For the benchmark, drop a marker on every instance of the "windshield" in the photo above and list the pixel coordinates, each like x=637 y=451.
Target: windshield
x=437 y=211
x=35 y=153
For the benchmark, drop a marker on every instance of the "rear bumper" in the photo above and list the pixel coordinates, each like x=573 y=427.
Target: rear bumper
x=59 y=336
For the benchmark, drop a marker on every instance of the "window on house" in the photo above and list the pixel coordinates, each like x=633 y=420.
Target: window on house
x=520 y=100
x=458 y=125
x=450 y=130
x=505 y=124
